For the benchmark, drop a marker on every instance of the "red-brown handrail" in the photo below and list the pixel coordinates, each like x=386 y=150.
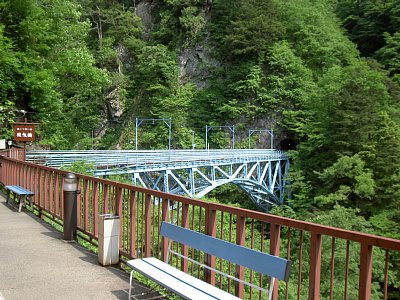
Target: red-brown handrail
x=142 y=210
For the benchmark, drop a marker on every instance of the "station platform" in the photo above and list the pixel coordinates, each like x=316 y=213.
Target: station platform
x=36 y=263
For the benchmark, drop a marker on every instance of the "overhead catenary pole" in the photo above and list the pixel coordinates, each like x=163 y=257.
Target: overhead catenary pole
x=272 y=138
x=249 y=138
x=270 y=132
x=206 y=137
x=169 y=132
x=193 y=144
x=167 y=122
x=231 y=128
x=136 y=130
x=233 y=137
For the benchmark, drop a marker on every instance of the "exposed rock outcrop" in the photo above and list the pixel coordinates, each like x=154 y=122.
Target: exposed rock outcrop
x=144 y=10
x=196 y=64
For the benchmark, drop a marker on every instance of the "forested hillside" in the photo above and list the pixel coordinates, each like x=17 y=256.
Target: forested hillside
x=322 y=73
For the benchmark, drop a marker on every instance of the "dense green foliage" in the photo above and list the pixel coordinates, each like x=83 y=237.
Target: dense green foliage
x=324 y=73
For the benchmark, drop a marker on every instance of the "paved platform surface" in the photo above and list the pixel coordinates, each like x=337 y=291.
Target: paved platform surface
x=35 y=263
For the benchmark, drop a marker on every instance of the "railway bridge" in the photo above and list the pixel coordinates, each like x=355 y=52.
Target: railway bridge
x=262 y=174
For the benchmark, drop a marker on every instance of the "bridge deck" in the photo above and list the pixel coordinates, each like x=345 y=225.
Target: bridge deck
x=150 y=159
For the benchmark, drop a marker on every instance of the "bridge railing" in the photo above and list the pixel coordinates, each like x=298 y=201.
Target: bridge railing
x=328 y=262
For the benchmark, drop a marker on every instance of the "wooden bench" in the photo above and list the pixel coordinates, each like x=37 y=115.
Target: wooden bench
x=190 y=287
x=22 y=194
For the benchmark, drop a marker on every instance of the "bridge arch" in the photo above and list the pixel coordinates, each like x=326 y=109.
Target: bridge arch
x=263 y=181
x=257 y=192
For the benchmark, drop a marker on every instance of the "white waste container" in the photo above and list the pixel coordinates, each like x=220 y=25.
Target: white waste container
x=108 y=239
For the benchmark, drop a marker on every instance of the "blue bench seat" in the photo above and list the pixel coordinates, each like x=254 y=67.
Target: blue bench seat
x=22 y=194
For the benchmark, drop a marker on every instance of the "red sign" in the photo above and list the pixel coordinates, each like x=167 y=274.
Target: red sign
x=24 y=132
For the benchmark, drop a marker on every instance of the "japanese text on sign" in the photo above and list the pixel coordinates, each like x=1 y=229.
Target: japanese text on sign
x=24 y=132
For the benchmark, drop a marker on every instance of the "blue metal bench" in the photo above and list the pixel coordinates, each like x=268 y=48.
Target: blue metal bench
x=190 y=287
x=22 y=194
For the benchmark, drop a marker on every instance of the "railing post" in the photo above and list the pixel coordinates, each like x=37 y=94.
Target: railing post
x=106 y=195
x=132 y=220
x=118 y=211
x=46 y=189
x=51 y=192
x=315 y=266
x=14 y=170
x=147 y=230
x=96 y=208
x=56 y=193
x=275 y=231
x=210 y=260
x=185 y=224
x=39 y=179
x=23 y=175
x=86 y=205
x=364 y=290
x=1 y=170
x=240 y=239
x=165 y=217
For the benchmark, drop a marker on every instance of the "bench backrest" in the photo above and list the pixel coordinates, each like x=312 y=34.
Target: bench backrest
x=258 y=261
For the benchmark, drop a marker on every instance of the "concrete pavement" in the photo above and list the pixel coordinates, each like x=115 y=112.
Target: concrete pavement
x=36 y=263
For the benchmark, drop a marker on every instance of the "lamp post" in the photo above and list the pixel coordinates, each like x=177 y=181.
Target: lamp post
x=70 y=207
x=193 y=144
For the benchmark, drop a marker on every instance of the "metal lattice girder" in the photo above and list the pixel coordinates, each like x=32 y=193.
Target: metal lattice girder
x=263 y=181
x=260 y=173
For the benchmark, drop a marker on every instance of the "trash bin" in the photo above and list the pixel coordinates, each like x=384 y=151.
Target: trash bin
x=108 y=240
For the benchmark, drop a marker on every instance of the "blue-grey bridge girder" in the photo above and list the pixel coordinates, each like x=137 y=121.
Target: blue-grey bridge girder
x=260 y=173
x=264 y=182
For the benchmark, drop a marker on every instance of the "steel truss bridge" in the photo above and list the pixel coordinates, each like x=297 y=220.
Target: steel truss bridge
x=262 y=174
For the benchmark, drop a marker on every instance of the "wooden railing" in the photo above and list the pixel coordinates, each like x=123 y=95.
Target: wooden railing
x=14 y=153
x=328 y=262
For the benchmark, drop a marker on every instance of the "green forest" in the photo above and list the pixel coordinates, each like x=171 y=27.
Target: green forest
x=324 y=74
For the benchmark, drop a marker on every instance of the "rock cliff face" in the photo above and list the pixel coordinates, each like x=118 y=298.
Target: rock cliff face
x=144 y=10
x=196 y=63
x=114 y=107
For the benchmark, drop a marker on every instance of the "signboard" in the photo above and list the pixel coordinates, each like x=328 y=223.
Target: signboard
x=2 y=144
x=24 y=132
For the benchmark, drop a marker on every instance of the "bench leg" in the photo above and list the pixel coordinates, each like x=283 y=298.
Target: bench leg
x=30 y=199
x=271 y=288
x=21 y=202
x=130 y=285
x=8 y=196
